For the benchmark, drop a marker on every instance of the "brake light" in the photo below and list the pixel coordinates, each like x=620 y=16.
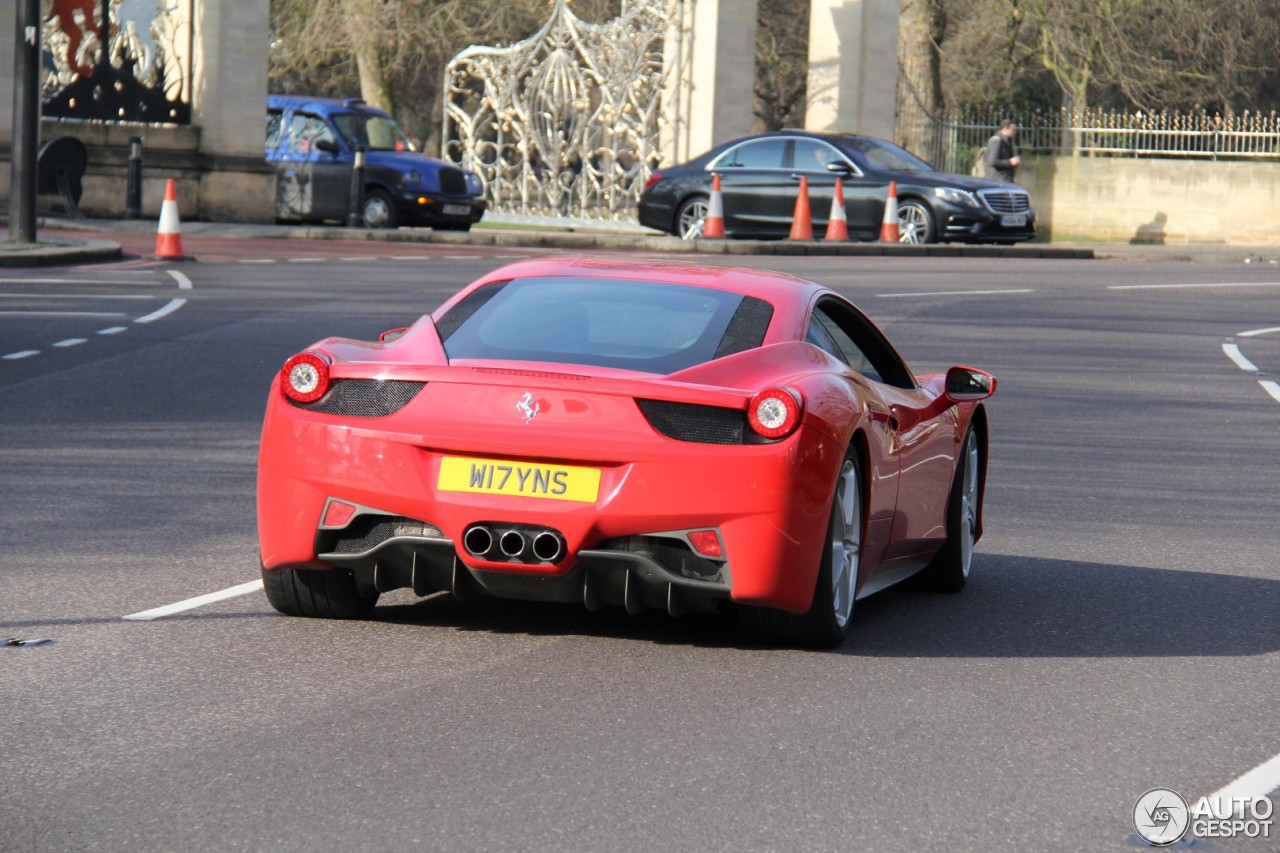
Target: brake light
x=305 y=377
x=775 y=412
x=653 y=179
x=706 y=542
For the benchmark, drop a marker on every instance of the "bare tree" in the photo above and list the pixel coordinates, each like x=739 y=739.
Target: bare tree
x=921 y=30
x=782 y=63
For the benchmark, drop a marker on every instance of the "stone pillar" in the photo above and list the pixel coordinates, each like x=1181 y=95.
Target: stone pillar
x=229 y=104
x=8 y=20
x=853 y=66
x=711 y=89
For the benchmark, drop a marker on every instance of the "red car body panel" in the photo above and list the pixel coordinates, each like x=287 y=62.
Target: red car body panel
x=769 y=502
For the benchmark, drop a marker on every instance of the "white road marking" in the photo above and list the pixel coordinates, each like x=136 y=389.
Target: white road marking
x=173 y=305
x=360 y=258
x=308 y=260
x=70 y=342
x=26 y=353
x=61 y=314
x=112 y=330
x=952 y=293
x=184 y=283
x=105 y=281
x=198 y=601
x=1233 y=353
x=1256 y=332
x=1272 y=388
x=1257 y=783
x=85 y=296
x=410 y=258
x=1189 y=286
x=257 y=261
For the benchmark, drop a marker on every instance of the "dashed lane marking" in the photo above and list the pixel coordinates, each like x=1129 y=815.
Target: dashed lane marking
x=953 y=293
x=1256 y=784
x=15 y=356
x=71 y=342
x=1193 y=286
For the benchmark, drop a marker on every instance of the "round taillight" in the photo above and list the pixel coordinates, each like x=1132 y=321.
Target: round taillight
x=305 y=377
x=774 y=412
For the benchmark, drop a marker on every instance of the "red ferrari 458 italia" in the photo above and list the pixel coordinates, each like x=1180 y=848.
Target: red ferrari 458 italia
x=634 y=433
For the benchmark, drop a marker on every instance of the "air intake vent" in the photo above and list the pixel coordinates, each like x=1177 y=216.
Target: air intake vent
x=699 y=424
x=364 y=398
x=368 y=532
x=672 y=554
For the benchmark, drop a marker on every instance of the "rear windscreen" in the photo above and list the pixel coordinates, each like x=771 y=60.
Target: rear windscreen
x=655 y=327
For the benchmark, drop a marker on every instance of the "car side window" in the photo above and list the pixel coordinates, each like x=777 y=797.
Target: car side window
x=760 y=154
x=813 y=155
x=865 y=348
x=305 y=131
x=275 y=123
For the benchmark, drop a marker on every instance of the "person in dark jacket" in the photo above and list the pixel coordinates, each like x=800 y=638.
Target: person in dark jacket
x=1001 y=157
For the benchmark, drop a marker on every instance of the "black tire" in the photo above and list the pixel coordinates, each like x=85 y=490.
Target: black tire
x=916 y=223
x=331 y=594
x=379 y=210
x=949 y=570
x=452 y=226
x=826 y=624
x=689 y=218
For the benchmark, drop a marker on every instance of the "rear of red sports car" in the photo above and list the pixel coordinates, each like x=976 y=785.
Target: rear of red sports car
x=559 y=431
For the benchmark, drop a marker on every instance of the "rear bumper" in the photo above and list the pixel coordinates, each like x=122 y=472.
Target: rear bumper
x=769 y=504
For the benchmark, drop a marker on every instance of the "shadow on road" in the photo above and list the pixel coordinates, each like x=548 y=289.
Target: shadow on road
x=1013 y=607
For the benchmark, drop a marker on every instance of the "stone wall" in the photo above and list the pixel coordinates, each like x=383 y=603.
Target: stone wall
x=1114 y=199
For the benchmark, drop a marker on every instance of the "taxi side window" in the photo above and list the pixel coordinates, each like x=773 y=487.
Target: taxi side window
x=275 y=124
x=305 y=131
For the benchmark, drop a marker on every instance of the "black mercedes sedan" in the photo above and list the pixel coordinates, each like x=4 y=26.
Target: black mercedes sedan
x=760 y=177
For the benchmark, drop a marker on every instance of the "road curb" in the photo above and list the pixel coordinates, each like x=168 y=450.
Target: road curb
x=58 y=251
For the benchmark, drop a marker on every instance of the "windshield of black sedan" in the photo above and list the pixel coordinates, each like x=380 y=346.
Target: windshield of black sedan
x=654 y=327
x=885 y=155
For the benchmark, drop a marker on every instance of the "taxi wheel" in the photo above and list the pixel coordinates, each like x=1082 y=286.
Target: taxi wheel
x=379 y=210
x=325 y=594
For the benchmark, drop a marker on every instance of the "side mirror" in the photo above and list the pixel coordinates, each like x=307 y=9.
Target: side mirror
x=840 y=167
x=967 y=384
x=392 y=334
x=327 y=145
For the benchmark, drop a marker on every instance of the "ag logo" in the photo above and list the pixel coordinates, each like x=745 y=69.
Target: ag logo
x=1161 y=817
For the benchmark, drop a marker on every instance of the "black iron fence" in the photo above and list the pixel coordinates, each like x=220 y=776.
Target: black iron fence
x=954 y=140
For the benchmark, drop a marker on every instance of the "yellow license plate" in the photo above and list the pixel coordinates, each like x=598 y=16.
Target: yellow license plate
x=498 y=477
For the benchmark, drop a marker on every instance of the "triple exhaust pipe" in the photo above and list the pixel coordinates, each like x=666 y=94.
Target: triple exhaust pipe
x=529 y=545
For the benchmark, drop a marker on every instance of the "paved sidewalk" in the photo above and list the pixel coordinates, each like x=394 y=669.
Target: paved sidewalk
x=55 y=248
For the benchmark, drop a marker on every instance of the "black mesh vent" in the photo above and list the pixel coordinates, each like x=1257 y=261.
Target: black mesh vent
x=453 y=182
x=364 y=398
x=674 y=555
x=369 y=531
x=700 y=424
x=1006 y=202
x=747 y=327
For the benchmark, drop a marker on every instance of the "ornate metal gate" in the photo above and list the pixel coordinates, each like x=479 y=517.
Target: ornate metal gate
x=566 y=122
x=117 y=60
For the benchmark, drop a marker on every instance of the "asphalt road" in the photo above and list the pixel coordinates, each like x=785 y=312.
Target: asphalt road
x=1121 y=631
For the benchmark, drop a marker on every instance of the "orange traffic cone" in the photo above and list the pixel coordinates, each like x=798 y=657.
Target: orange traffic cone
x=801 y=221
x=889 y=225
x=713 y=225
x=169 y=235
x=837 y=223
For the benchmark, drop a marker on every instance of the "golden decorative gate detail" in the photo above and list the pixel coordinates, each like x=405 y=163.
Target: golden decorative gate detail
x=566 y=122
